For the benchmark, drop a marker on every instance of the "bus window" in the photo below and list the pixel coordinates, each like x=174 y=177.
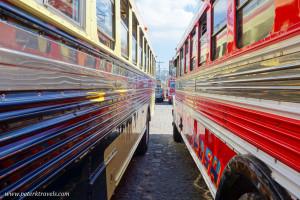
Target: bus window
x=145 y=47
x=193 y=50
x=187 y=56
x=219 y=32
x=68 y=8
x=203 y=39
x=181 y=62
x=147 y=59
x=134 y=39
x=124 y=27
x=141 y=49
x=254 y=20
x=105 y=22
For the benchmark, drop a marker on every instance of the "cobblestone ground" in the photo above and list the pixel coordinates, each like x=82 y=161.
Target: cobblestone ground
x=167 y=171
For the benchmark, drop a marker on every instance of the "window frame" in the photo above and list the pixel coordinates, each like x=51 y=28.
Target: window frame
x=81 y=17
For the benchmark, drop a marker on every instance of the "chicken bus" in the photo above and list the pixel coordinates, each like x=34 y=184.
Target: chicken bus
x=160 y=90
x=171 y=89
x=237 y=101
x=77 y=93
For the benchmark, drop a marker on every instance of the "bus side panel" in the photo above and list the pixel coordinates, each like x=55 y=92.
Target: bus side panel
x=210 y=150
x=59 y=112
x=95 y=173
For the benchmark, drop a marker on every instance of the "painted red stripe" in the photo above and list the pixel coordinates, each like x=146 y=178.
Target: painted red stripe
x=276 y=135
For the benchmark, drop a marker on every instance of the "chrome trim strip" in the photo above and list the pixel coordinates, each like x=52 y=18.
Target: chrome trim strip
x=268 y=69
x=285 y=109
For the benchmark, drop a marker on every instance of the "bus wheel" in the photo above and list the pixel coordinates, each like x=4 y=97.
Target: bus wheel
x=251 y=196
x=170 y=102
x=176 y=134
x=144 y=143
x=247 y=178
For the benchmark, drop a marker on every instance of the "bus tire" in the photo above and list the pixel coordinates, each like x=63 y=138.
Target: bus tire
x=247 y=178
x=176 y=134
x=170 y=102
x=144 y=143
x=251 y=196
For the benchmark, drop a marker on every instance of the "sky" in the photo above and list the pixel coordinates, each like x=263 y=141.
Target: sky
x=166 y=21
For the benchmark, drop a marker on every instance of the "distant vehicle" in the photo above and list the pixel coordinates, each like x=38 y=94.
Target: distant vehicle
x=237 y=101
x=159 y=91
x=164 y=89
x=171 y=89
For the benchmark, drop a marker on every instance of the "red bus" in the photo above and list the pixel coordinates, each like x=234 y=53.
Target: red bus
x=171 y=89
x=237 y=102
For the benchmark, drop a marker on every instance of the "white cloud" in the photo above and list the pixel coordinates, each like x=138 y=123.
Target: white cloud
x=166 y=19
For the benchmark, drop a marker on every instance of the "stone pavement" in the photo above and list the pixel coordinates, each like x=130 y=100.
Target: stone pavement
x=167 y=171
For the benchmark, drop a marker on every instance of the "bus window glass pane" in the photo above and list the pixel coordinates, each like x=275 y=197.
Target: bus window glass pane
x=144 y=62
x=141 y=49
x=221 y=44
x=220 y=14
x=254 y=21
x=134 y=39
x=194 y=46
x=105 y=15
x=187 y=57
x=124 y=40
x=147 y=58
x=240 y=2
x=134 y=28
x=181 y=62
x=140 y=57
x=203 y=49
x=193 y=51
x=134 y=49
x=69 y=8
x=124 y=11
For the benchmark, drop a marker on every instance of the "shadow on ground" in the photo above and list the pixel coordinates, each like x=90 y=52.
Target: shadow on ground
x=164 y=103
x=167 y=171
